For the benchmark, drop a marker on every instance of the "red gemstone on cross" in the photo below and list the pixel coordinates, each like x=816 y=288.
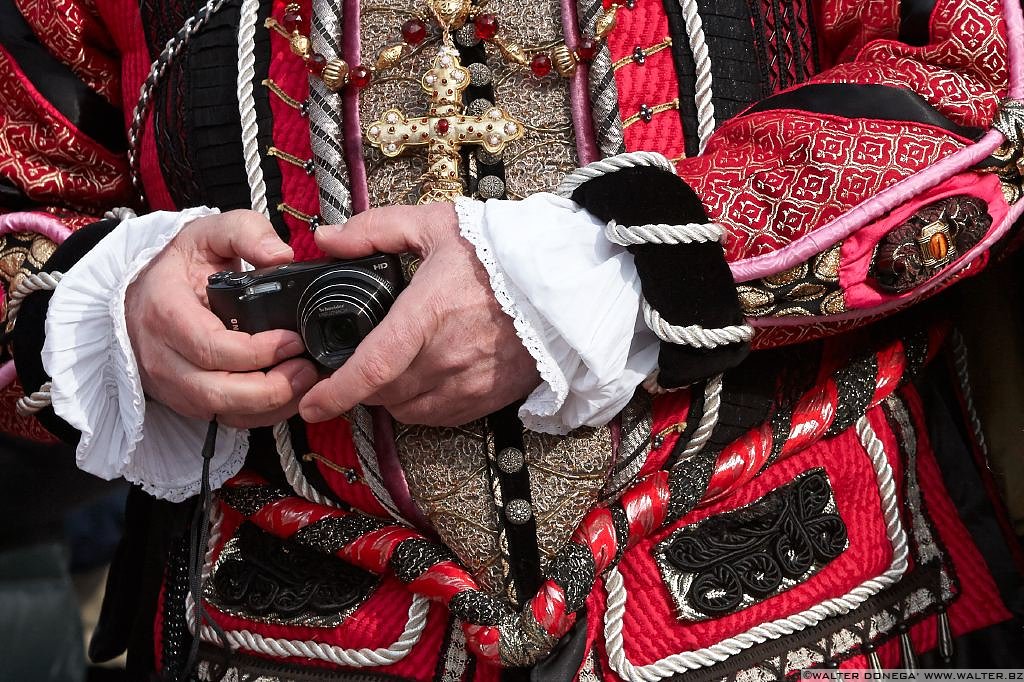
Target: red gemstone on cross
x=442 y=126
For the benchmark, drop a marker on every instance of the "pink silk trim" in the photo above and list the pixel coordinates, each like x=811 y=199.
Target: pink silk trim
x=579 y=92
x=821 y=239
x=40 y=223
x=351 y=125
x=979 y=249
x=8 y=373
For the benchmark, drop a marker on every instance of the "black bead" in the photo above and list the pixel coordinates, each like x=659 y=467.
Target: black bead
x=639 y=56
x=646 y=114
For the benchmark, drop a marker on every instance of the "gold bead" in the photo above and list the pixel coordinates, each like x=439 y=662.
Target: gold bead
x=564 y=61
x=335 y=74
x=605 y=23
x=512 y=52
x=451 y=13
x=300 y=45
x=389 y=56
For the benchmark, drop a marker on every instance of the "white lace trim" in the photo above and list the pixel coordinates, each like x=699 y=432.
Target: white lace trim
x=549 y=397
x=95 y=380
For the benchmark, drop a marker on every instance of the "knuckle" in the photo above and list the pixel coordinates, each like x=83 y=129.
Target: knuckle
x=374 y=370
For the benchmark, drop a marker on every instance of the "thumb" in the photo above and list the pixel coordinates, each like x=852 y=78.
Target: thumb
x=388 y=229
x=246 y=235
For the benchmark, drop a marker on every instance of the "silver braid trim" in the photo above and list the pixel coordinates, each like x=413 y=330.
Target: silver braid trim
x=325 y=117
x=292 y=467
x=716 y=653
x=661 y=233
x=699 y=48
x=247 y=105
x=964 y=377
x=157 y=71
x=613 y=163
x=40 y=281
x=28 y=405
x=694 y=334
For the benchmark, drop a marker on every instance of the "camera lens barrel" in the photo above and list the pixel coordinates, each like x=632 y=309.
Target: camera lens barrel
x=338 y=309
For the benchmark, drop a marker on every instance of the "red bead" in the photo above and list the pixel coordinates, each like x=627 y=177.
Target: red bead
x=414 y=31
x=486 y=26
x=292 y=22
x=540 y=65
x=442 y=126
x=316 y=64
x=360 y=76
x=587 y=49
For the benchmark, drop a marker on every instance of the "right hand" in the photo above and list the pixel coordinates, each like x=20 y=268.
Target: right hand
x=187 y=359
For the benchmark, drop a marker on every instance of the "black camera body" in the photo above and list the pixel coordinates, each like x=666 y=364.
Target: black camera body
x=332 y=304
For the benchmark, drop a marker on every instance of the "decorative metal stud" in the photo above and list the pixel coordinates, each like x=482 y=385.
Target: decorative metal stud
x=639 y=56
x=511 y=460
x=518 y=511
x=646 y=113
x=466 y=35
x=479 y=74
x=491 y=187
x=485 y=157
x=479 y=107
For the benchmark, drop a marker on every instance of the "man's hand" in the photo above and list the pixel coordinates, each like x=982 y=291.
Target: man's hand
x=445 y=354
x=187 y=359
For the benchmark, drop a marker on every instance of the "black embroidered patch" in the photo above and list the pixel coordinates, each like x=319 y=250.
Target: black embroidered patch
x=733 y=560
x=261 y=577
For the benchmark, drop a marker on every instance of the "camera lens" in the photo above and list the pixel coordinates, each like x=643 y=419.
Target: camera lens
x=339 y=332
x=338 y=309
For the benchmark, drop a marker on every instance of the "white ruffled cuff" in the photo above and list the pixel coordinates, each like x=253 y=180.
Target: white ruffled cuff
x=95 y=379
x=575 y=300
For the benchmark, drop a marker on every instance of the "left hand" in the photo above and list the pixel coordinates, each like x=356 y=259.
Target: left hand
x=445 y=354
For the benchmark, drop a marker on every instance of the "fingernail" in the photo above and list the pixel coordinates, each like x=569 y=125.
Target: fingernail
x=313 y=414
x=293 y=347
x=274 y=246
x=303 y=379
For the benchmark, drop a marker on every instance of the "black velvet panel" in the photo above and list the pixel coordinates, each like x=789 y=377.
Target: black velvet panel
x=686 y=283
x=914 y=18
x=851 y=100
x=85 y=109
x=29 y=333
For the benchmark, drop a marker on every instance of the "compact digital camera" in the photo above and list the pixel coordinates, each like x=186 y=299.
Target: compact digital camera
x=332 y=304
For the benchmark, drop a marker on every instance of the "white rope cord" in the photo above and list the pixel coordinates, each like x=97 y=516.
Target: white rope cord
x=708 y=420
x=613 y=163
x=28 y=405
x=660 y=233
x=716 y=653
x=247 y=105
x=694 y=334
x=355 y=658
x=121 y=213
x=292 y=467
x=699 y=48
x=40 y=281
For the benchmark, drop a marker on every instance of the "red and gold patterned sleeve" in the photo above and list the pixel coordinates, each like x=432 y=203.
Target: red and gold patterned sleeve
x=62 y=151
x=886 y=175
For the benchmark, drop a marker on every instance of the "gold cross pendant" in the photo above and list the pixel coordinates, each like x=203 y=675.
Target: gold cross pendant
x=445 y=128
